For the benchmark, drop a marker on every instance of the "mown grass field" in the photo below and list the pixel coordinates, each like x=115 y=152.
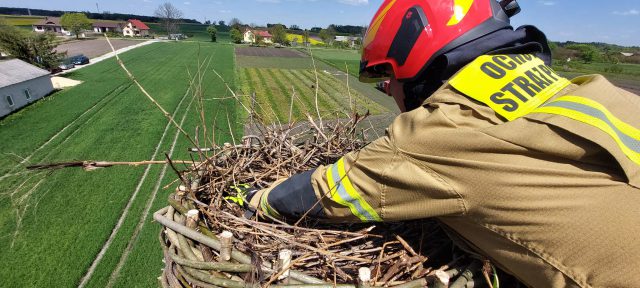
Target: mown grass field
x=343 y=60
x=276 y=82
x=196 y=32
x=54 y=224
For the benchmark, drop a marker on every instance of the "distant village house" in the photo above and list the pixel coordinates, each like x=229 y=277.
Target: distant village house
x=135 y=28
x=351 y=40
x=626 y=54
x=20 y=84
x=104 y=27
x=250 y=36
x=50 y=24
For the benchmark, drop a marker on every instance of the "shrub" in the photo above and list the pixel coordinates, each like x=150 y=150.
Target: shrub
x=615 y=69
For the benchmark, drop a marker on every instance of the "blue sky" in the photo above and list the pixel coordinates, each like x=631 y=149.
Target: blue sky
x=613 y=21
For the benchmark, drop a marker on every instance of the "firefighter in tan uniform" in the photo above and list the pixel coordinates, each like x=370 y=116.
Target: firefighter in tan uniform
x=535 y=172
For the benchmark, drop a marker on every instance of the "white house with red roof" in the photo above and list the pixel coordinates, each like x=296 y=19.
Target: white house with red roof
x=251 y=35
x=135 y=28
x=50 y=24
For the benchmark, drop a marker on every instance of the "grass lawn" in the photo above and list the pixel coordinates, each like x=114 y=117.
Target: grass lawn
x=342 y=60
x=54 y=224
x=195 y=32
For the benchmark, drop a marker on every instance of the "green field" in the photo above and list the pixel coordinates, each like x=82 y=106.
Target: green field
x=53 y=225
x=21 y=20
x=276 y=81
x=342 y=60
x=196 y=32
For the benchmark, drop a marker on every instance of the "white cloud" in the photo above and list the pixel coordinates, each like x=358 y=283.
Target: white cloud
x=147 y=1
x=631 y=12
x=187 y=3
x=547 y=3
x=354 y=2
x=225 y=11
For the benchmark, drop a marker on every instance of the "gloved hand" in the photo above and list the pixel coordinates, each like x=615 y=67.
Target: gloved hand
x=242 y=195
x=252 y=200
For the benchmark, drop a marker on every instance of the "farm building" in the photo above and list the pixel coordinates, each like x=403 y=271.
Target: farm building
x=103 y=27
x=626 y=54
x=349 y=39
x=250 y=36
x=20 y=84
x=50 y=24
x=135 y=27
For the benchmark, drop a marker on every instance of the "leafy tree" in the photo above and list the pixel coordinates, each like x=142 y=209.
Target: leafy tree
x=169 y=17
x=295 y=27
x=236 y=23
x=213 y=32
x=236 y=36
x=588 y=53
x=75 y=22
x=326 y=36
x=279 y=34
x=34 y=48
x=208 y=22
x=316 y=29
x=222 y=23
x=258 y=39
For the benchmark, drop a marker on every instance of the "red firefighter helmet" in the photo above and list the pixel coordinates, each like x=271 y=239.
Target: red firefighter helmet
x=405 y=36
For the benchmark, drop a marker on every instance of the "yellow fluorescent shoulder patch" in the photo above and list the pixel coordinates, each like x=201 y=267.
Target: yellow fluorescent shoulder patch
x=343 y=193
x=512 y=85
x=595 y=114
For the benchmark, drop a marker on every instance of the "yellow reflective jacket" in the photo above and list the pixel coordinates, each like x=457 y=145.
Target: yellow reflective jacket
x=549 y=194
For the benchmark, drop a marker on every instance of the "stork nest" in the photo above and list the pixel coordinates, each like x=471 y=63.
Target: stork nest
x=405 y=254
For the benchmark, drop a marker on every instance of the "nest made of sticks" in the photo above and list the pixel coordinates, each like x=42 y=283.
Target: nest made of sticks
x=208 y=242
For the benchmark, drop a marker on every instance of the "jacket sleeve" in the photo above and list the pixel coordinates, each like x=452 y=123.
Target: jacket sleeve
x=377 y=183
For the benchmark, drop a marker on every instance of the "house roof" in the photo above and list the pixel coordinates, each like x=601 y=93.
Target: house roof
x=107 y=24
x=262 y=33
x=138 y=24
x=626 y=54
x=15 y=71
x=55 y=21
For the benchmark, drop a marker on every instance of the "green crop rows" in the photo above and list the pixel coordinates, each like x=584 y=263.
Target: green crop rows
x=275 y=88
x=53 y=225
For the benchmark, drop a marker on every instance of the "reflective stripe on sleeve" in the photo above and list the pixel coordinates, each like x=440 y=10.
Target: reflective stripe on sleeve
x=595 y=114
x=343 y=193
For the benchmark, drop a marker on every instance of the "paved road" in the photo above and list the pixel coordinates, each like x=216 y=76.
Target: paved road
x=95 y=60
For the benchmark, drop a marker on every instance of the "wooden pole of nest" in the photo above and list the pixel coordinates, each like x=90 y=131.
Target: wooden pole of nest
x=364 y=277
x=192 y=218
x=226 y=245
x=442 y=279
x=284 y=261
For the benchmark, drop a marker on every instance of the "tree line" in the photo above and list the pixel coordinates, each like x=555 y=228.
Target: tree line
x=97 y=16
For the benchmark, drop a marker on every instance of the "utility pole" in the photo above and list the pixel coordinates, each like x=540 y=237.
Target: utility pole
x=29 y=11
x=97 y=7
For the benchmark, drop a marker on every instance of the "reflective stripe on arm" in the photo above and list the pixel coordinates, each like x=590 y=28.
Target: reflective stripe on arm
x=343 y=192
